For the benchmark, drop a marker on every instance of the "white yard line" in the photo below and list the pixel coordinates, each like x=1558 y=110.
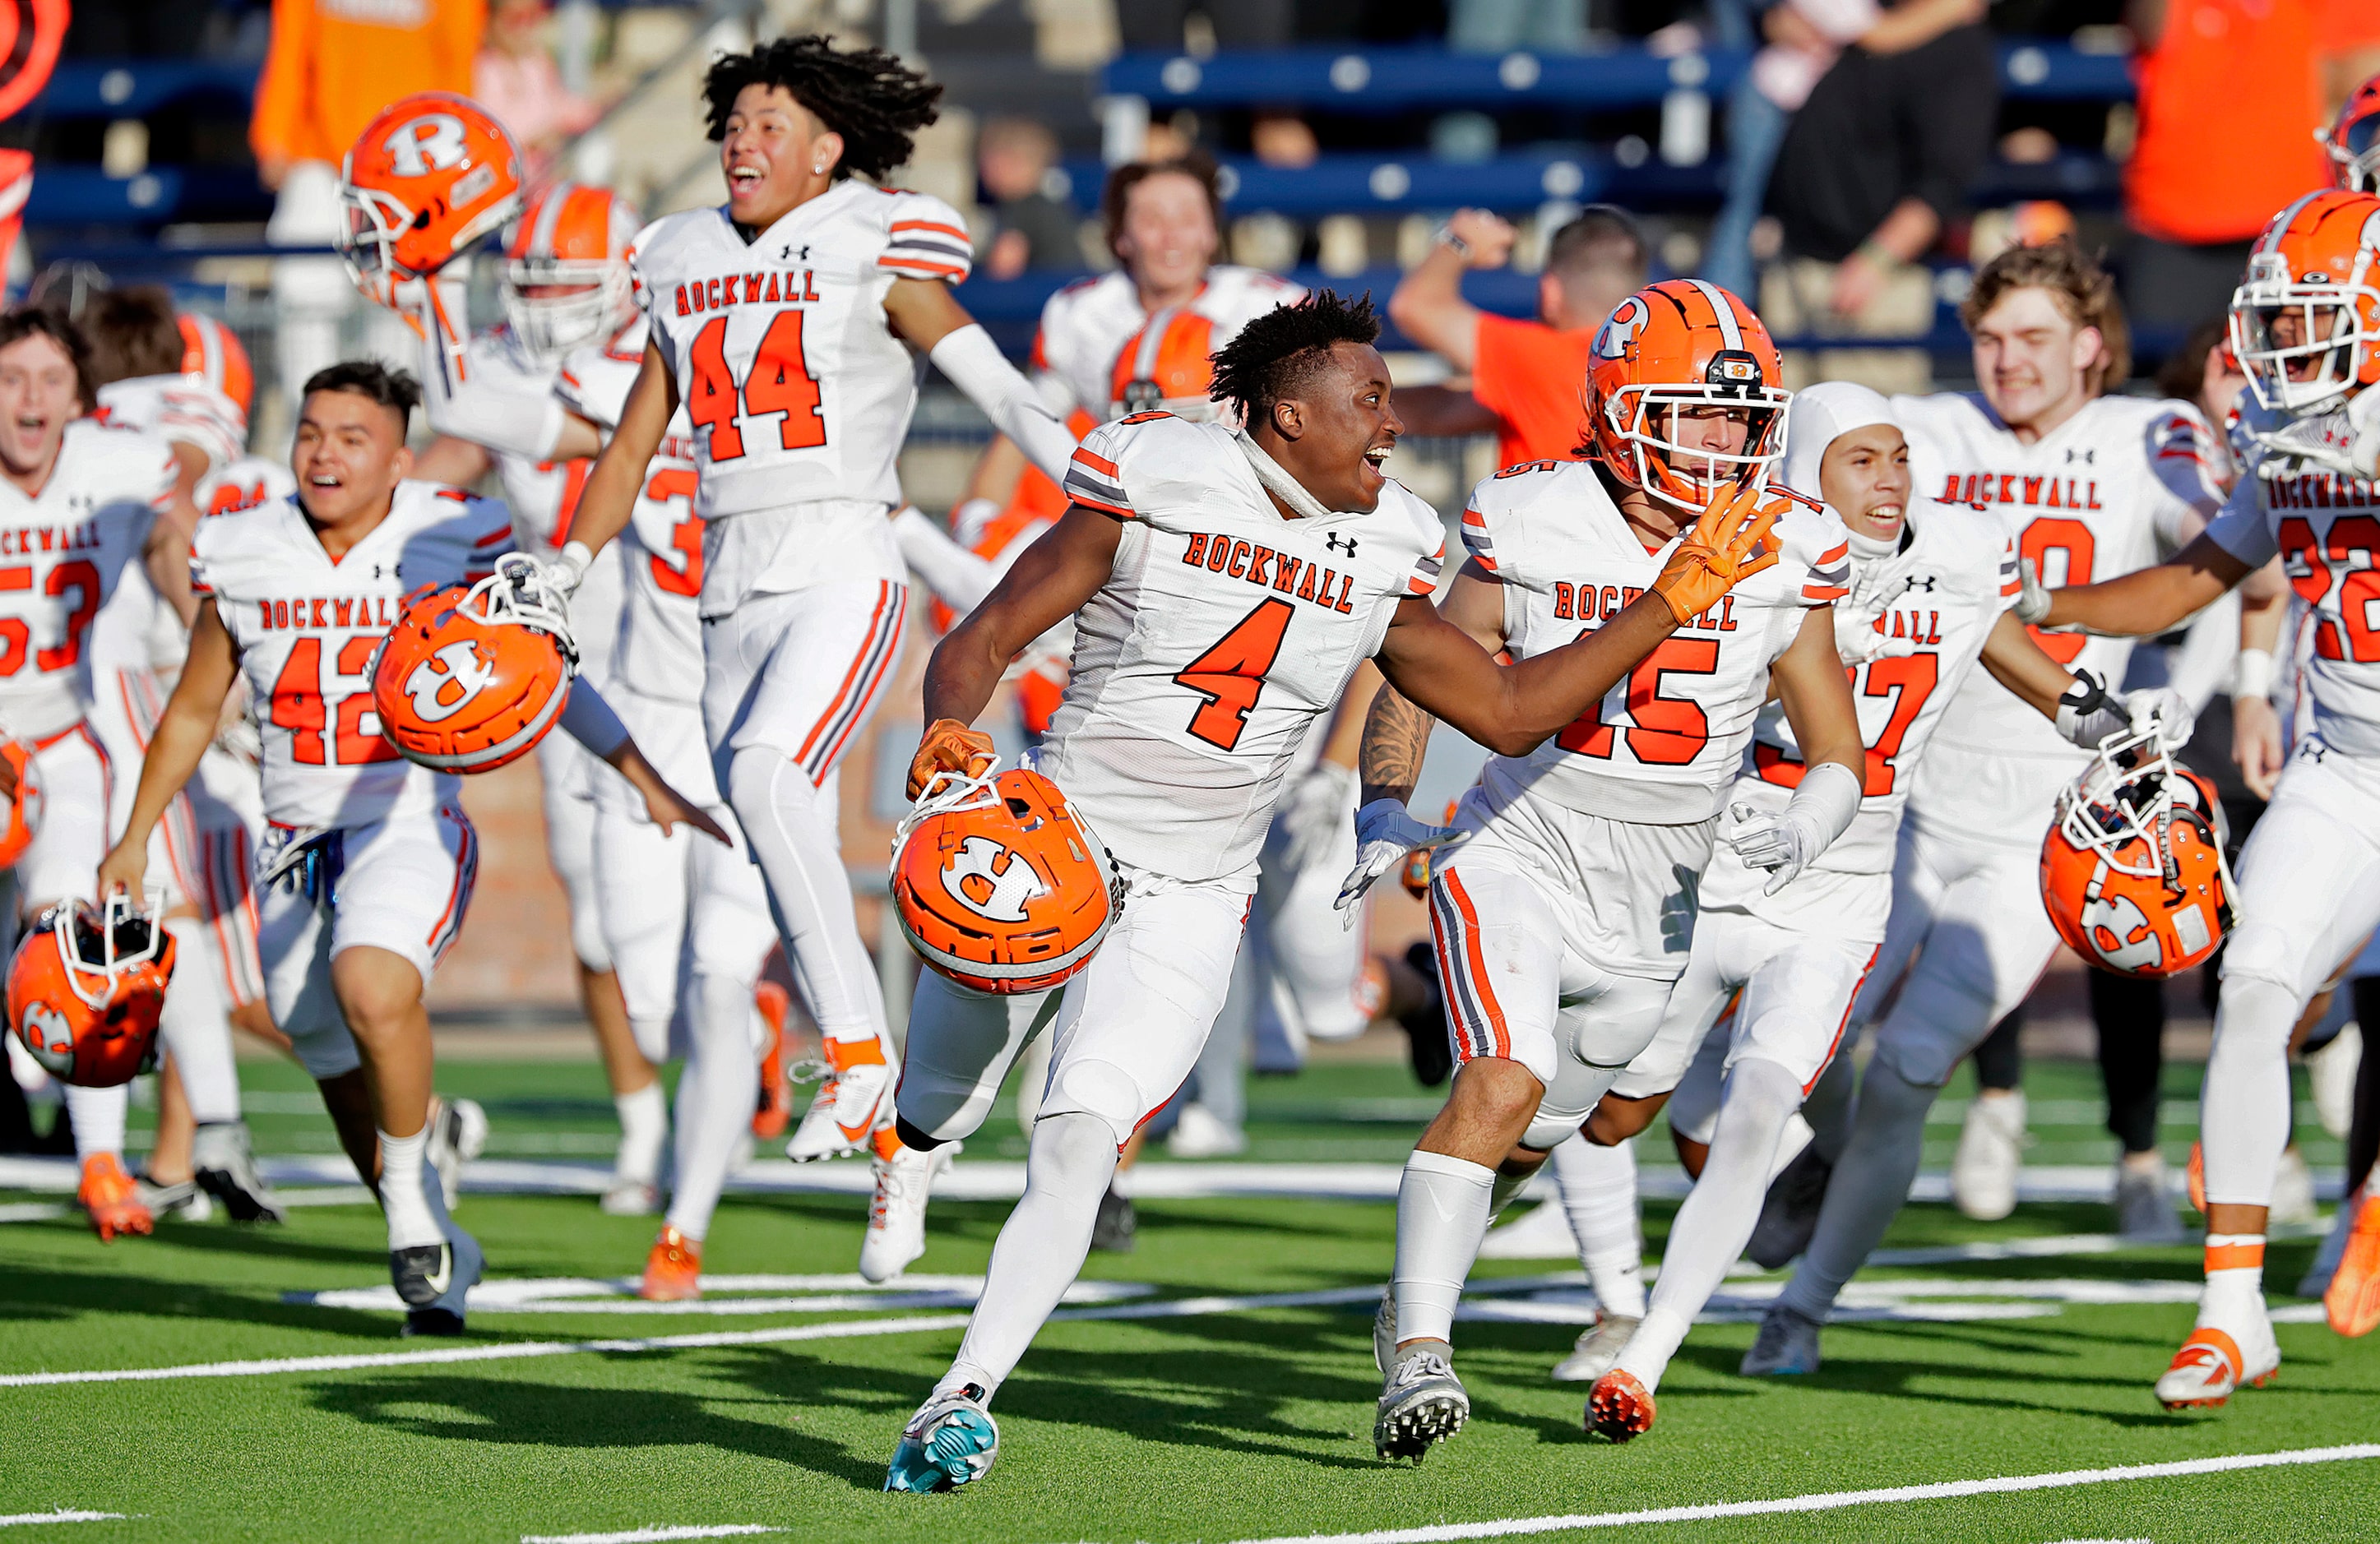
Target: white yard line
x=1948 y=1489
x=25 y=1519
x=653 y=1536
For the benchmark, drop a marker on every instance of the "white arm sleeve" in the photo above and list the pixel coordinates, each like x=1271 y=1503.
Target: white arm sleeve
x=976 y=366
x=589 y=720
x=477 y=409
x=958 y=578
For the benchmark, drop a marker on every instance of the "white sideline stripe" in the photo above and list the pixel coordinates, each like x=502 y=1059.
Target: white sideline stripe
x=22 y=1519
x=1514 y=1527
x=651 y=1536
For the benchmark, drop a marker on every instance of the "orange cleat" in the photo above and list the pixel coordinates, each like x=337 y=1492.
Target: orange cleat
x=776 y=1107
x=2198 y=1178
x=674 y=1269
x=2353 y=1300
x=1620 y=1407
x=111 y=1198
x=849 y=1105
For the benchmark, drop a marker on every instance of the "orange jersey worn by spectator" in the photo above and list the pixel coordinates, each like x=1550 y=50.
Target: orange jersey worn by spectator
x=334 y=64
x=2227 y=98
x=1531 y=376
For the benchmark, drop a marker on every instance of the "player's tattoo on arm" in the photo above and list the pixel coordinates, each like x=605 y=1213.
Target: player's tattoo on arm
x=1396 y=736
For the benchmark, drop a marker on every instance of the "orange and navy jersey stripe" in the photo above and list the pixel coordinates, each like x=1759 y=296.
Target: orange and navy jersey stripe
x=1424 y=578
x=1093 y=479
x=2011 y=581
x=929 y=250
x=1830 y=576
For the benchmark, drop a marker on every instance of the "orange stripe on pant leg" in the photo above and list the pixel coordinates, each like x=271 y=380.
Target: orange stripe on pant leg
x=1478 y=964
x=1450 y=996
x=875 y=684
x=866 y=646
x=1836 y=1045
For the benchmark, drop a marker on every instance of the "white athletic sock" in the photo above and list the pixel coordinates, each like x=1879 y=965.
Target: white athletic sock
x=411 y=1224
x=716 y=1092
x=2235 y=1278
x=644 y=1125
x=1598 y=1196
x=1720 y=1213
x=2244 y=1111
x=195 y=1030
x=792 y=831
x=98 y=1116
x=1870 y=1185
x=1442 y=1205
x=1040 y=1249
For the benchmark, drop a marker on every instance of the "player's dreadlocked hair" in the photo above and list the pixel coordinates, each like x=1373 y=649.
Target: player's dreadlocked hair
x=869 y=97
x=1274 y=355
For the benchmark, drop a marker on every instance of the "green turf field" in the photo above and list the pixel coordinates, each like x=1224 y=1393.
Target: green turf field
x=1210 y=1421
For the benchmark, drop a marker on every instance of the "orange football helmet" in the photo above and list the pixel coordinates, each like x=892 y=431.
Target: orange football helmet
x=23 y=820
x=1000 y=884
x=1166 y=366
x=2352 y=140
x=472 y=677
x=432 y=174
x=85 y=990
x=1671 y=348
x=2134 y=873
x=214 y=355
x=566 y=268
x=2305 y=321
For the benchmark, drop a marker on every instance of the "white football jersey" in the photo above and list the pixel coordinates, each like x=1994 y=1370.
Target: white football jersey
x=792 y=381
x=1945 y=589
x=1086 y=326
x=183 y=409
x=306 y=629
x=242 y=485
x=61 y=557
x=1665 y=743
x=542 y=493
x=1224 y=630
x=2105 y=493
x=2326 y=526
x=658 y=558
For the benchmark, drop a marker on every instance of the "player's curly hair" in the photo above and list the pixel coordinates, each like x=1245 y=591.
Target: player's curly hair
x=869 y=97
x=1275 y=354
x=2080 y=286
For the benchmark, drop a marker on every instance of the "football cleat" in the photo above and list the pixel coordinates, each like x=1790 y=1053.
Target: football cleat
x=1422 y=1404
x=1199 y=1132
x=1620 y=1407
x=226 y=1169
x=1786 y=1345
x=2212 y=1364
x=2315 y=1282
x=674 y=1269
x=1984 y=1170
x=1599 y=1346
x=2352 y=1299
x=631 y=1198
x=949 y=1442
x=2143 y=1209
x=434 y=1282
x=1384 y=1330
x=458 y=1133
x=896 y=1218
x=1788 y=1214
x=849 y=1105
x=111 y=1198
x=775 y=1111
x=1117 y=1226
x=181 y=1199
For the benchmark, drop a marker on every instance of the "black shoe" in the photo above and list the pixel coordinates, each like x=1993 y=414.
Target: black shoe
x=1425 y=1027
x=226 y=1169
x=1790 y=1213
x=1113 y=1231
x=422 y=1275
x=431 y=1321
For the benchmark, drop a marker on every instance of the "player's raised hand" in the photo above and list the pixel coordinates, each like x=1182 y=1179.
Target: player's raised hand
x=949 y=746
x=1857 y=641
x=1386 y=833
x=2032 y=599
x=1733 y=541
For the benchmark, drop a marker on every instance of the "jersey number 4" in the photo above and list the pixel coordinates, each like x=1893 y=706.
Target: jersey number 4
x=299 y=707
x=1232 y=673
x=779 y=382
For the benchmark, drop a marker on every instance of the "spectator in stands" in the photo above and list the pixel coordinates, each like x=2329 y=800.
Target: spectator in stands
x=2228 y=108
x=1805 y=37
x=1525 y=375
x=1031 y=227
x=1276 y=136
x=1874 y=167
x=331 y=67
x=515 y=77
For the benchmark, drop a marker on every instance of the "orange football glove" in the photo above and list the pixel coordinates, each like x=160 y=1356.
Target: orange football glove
x=1719 y=552
x=949 y=746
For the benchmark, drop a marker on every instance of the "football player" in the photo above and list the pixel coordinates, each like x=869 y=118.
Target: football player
x=2305 y=325
x=79 y=502
x=1225 y=584
x=370 y=860
x=1930 y=590
x=1564 y=917
x=784 y=322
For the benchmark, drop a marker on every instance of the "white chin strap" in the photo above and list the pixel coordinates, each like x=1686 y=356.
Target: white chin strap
x=1286 y=488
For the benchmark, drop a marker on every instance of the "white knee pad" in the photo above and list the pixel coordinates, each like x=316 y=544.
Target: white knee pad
x=1097 y=1088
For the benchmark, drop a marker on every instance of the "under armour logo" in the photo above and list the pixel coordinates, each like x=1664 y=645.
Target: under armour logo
x=1004 y=888
x=1334 y=540
x=786 y=253
x=1918 y=582
x=2089 y=457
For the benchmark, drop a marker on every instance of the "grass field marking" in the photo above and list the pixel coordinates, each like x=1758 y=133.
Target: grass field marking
x=1948 y=1489
x=27 y=1519
x=653 y=1536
